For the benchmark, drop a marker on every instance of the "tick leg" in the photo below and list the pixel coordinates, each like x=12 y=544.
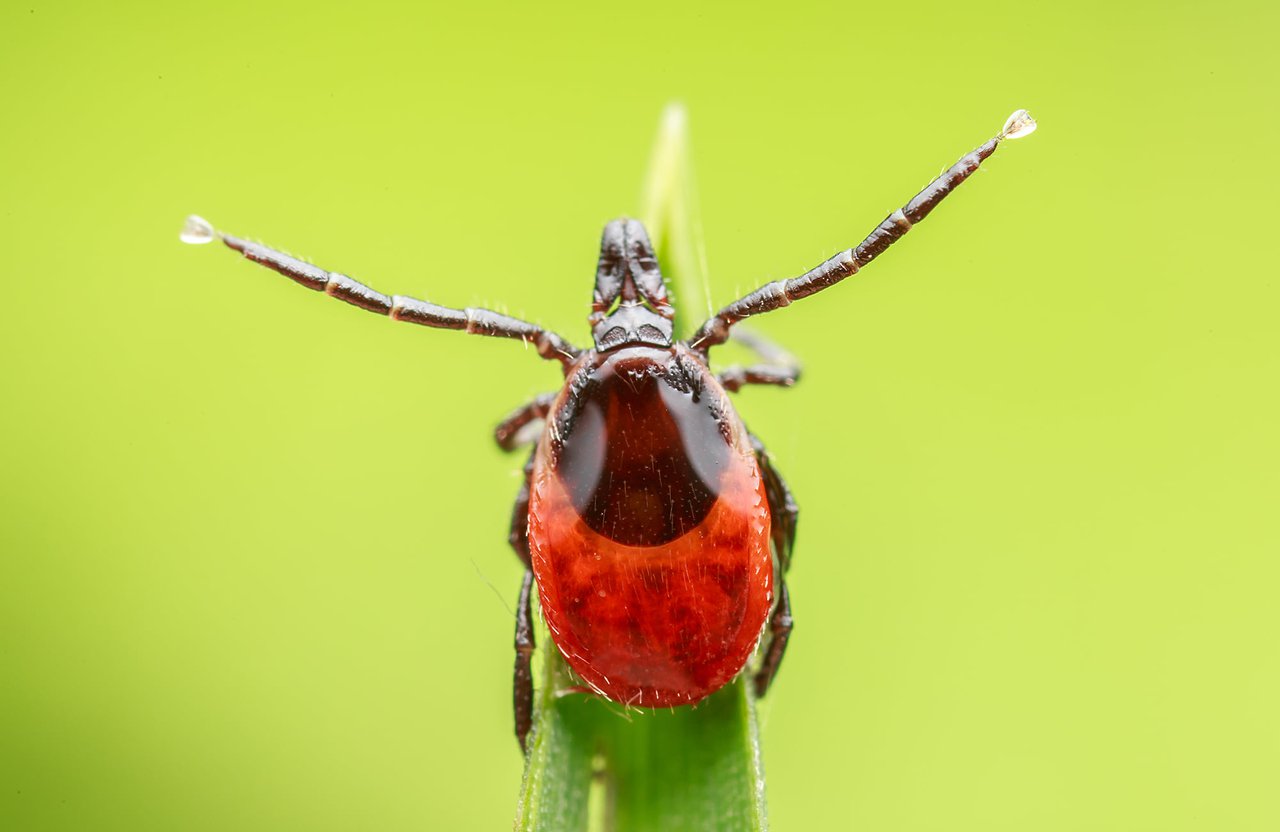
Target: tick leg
x=782 y=292
x=401 y=308
x=781 y=367
x=784 y=514
x=783 y=510
x=519 y=535
x=522 y=680
x=779 y=633
x=736 y=377
x=765 y=348
x=507 y=433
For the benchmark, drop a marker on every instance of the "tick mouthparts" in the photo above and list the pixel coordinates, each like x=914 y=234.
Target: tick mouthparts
x=197 y=231
x=1018 y=125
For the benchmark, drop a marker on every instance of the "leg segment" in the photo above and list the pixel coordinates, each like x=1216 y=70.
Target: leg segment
x=765 y=348
x=785 y=514
x=519 y=535
x=507 y=433
x=401 y=308
x=522 y=678
x=736 y=377
x=522 y=682
x=782 y=292
x=779 y=633
x=781 y=367
x=782 y=506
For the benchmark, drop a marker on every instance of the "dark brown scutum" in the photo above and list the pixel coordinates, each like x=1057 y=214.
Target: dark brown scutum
x=641 y=450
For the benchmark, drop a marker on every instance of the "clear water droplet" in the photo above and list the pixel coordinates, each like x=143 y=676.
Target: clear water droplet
x=197 y=231
x=1018 y=125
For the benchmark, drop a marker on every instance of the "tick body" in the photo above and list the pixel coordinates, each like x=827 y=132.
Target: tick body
x=654 y=526
x=649 y=528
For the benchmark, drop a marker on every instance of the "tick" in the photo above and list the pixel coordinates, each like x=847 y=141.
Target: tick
x=654 y=524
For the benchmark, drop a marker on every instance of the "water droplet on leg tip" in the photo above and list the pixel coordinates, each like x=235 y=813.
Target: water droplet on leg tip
x=197 y=231
x=1018 y=125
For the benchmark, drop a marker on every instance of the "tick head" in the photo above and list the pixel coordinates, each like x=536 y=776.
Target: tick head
x=630 y=304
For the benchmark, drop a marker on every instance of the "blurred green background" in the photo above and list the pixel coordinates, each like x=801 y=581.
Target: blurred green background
x=254 y=566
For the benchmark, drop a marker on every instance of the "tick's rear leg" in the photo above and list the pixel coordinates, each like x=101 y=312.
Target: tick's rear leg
x=522 y=679
x=779 y=633
x=785 y=514
x=782 y=506
x=780 y=367
x=519 y=534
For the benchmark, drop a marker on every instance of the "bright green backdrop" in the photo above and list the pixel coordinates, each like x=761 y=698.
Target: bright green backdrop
x=254 y=566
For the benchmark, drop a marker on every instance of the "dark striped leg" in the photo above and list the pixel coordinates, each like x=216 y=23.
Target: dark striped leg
x=782 y=292
x=780 y=368
x=735 y=378
x=785 y=514
x=397 y=307
x=522 y=678
x=783 y=510
x=779 y=633
x=507 y=433
x=519 y=535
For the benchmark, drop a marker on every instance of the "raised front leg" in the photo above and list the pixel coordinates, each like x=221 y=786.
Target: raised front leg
x=397 y=307
x=782 y=292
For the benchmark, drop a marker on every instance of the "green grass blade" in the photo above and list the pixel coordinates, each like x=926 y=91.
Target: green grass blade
x=558 y=773
x=687 y=768
x=593 y=764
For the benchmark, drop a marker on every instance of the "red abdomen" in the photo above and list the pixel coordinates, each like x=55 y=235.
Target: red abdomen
x=649 y=529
